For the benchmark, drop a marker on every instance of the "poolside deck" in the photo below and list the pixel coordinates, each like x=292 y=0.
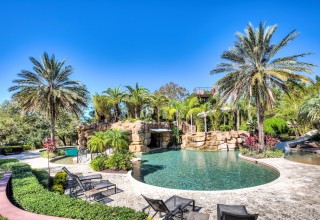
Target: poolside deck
x=294 y=195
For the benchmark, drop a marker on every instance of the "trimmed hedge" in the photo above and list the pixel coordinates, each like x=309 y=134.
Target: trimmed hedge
x=3 y=161
x=11 y=149
x=30 y=194
x=42 y=176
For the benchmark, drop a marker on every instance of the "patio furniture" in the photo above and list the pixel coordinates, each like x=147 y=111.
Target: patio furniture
x=174 y=206
x=81 y=177
x=89 y=189
x=234 y=212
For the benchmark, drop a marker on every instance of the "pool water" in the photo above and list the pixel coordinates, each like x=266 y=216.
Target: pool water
x=304 y=157
x=200 y=170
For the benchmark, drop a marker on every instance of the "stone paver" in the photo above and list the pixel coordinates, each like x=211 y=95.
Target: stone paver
x=294 y=195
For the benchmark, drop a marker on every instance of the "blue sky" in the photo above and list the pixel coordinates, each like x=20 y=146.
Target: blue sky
x=111 y=43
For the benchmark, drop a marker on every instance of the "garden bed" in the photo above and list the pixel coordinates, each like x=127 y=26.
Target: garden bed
x=29 y=194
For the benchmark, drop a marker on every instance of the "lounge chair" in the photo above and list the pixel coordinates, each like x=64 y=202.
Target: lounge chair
x=234 y=212
x=174 y=206
x=89 y=189
x=81 y=177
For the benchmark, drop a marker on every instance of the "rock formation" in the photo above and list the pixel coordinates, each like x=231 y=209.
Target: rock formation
x=214 y=140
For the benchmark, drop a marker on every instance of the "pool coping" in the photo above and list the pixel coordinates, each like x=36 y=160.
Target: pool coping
x=140 y=185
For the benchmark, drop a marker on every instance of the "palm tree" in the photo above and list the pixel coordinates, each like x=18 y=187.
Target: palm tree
x=48 y=89
x=115 y=97
x=157 y=102
x=97 y=142
x=137 y=97
x=309 y=111
x=117 y=139
x=252 y=70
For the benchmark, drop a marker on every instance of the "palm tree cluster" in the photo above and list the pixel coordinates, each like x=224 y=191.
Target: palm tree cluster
x=134 y=102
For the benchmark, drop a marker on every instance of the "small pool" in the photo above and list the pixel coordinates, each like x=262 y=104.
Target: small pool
x=200 y=170
x=303 y=157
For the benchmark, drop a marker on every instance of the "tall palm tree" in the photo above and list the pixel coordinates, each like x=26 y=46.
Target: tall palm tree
x=117 y=139
x=115 y=97
x=137 y=97
x=48 y=88
x=252 y=70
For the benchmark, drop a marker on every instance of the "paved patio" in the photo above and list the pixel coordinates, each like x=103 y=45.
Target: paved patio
x=294 y=195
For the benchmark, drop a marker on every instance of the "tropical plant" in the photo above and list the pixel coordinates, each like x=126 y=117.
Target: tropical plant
x=49 y=89
x=115 y=97
x=136 y=98
x=97 y=142
x=309 y=111
x=117 y=139
x=275 y=126
x=119 y=161
x=157 y=102
x=252 y=70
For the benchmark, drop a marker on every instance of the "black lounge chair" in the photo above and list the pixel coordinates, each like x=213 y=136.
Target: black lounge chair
x=234 y=212
x=81 y=177
x=89 y=189
x=174 y=206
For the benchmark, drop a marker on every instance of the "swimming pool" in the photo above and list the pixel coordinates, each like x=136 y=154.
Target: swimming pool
x=303 y=157
x=200 y=170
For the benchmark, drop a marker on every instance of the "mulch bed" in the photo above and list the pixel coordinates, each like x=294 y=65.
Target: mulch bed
x=115 y=171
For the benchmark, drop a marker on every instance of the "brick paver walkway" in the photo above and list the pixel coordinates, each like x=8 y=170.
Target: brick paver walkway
x=294 y=195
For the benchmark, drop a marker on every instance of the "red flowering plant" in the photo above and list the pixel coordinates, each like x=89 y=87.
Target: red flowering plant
x=270 y=142
x=251 y=142
x=50 y=145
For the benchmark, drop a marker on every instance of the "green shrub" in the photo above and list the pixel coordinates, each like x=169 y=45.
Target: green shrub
x=11 y=149
x=3 y=161
x=42 y=176
x=275 y=126
x=98 y=163
x=26 y=147
x=59 y=182
x=225 y=127
x=58 y=188
x=119 y=161
x=1 y=175
x=244 y=127
x=31 y=196
x=244 y=151
x=19 y=166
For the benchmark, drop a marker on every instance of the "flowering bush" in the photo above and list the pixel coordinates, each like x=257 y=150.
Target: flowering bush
x=270 y=142
x=251 y=142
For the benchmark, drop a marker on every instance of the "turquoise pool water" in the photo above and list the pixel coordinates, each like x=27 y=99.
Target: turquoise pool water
x=200 y=170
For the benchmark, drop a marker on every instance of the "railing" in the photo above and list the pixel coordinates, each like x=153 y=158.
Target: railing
x=82 y=156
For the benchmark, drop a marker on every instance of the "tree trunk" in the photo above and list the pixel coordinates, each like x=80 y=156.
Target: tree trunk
x=136 y=112
x=116 y=112
x=238 y=119
x=260 y=117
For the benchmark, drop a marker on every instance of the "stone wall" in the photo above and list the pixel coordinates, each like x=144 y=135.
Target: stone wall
x=139 y=132
x=213 y=140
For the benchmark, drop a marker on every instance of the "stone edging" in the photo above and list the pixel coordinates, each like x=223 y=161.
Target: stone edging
x=8 y=210
x=259 y=161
